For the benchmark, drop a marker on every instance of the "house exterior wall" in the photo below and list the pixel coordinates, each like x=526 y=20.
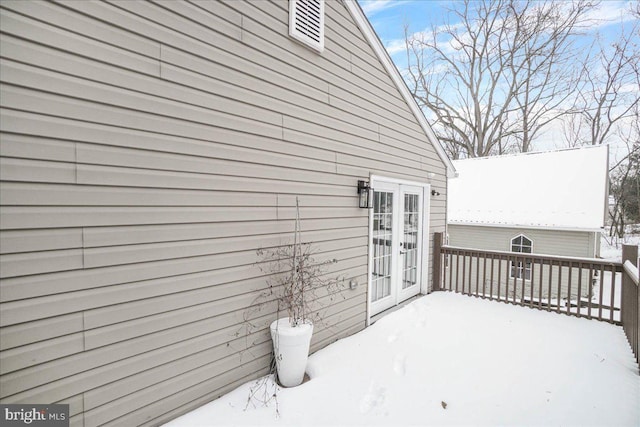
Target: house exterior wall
x=147 y=151
x=579 y=244
x=548 y=242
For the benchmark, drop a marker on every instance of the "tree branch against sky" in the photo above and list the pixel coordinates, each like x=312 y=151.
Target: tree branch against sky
x=497 y=72
x=611 y=91
x=544 y=51
x=514 y=94
x=625 y=178
x=499 y=76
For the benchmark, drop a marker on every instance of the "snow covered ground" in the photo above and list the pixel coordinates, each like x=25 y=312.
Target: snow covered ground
x=449 y=359
x=611 y=248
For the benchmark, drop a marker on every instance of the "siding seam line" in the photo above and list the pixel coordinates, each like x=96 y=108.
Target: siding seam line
x=75 y=161
x=242 y=40
x=84 y=346
x=160 y=59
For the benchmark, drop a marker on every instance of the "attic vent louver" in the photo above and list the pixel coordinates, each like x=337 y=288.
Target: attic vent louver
x=306 y=22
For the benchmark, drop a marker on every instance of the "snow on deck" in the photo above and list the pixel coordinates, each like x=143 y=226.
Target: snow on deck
x=489 y=363
x=556 y=189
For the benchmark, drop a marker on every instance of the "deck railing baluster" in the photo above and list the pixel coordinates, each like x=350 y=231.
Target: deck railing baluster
x=613 y=292
x=443 y=272
x=499 y=278
x=491 y=282
x=524 y=276
x=464 y=270
x=477 y=273
x=457 y=269
x=540 y=284
x=559 y=290
x=484 y=276
x=450 y=270
x=569 y=288
x=590 y=291
x=579 y=304
x=549 y=291
x=470 y=288
x=601 y=291
x=531 y=282
x=507 y=294
x=515 y=284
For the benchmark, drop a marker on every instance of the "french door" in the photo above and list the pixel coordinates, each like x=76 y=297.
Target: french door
x=396 y=243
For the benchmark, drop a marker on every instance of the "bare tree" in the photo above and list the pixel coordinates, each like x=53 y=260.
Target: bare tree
x=498 y=75
x=635 y=9
x=625 y=178
x=611 y=89
x=544 y=51
x=609 y=110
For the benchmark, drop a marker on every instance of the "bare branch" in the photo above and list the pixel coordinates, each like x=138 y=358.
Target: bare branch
x=499 y=75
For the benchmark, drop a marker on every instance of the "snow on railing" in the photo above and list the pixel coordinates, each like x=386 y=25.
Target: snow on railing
x=630 y=302
x=631 y=270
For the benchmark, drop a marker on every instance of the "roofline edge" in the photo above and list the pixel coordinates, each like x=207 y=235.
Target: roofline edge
x=365 y=26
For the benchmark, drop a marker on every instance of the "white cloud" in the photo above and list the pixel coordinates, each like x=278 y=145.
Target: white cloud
x=447 y=43
x=371 y=7
x=395 y=46
x=608 y=13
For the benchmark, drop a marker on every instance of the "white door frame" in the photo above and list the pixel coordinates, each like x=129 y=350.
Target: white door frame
x=424 y=257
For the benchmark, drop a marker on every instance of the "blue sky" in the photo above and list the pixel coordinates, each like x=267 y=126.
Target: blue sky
x=389 y=17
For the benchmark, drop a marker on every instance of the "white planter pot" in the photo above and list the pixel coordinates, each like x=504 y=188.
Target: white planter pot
x=291 y=348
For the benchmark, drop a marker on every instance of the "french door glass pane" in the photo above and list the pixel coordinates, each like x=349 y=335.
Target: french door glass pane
x=410 y=240
x=382 y=238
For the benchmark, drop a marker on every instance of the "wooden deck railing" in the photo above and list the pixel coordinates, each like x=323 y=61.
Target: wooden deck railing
x=631 y=298
x=582 y=287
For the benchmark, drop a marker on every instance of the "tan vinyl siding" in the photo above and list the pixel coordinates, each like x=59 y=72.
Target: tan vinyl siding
x=147 y=150
x=545 y=241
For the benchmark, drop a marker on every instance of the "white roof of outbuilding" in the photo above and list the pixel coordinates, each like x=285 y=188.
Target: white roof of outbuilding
x=564 y=189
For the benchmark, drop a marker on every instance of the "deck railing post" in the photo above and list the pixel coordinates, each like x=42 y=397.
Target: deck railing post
x=437 y=261
x=630 y=312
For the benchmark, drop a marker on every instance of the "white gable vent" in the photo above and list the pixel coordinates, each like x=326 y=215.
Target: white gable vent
x=306 y=22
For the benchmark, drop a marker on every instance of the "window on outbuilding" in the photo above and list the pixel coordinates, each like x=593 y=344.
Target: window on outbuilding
x=520 y=269
x=306 y=22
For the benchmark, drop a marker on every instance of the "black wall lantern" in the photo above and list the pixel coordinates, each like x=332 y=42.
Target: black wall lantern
x=365 y=195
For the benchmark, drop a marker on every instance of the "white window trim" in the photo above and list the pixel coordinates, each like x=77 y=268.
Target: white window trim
x=301 y=37
x=524 y=267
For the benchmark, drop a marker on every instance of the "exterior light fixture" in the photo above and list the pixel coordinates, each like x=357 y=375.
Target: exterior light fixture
x=435 y=193
x=365 y=195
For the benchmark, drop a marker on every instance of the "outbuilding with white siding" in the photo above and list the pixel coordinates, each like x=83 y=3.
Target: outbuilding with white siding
x=551 y=203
